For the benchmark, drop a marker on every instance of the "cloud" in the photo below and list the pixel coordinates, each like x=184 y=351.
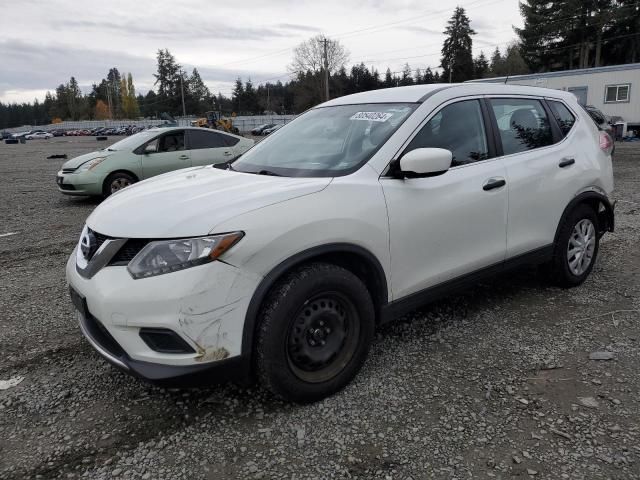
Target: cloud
x=31 y=67
x=419 y=29
x=297 y=27
x=188 y=31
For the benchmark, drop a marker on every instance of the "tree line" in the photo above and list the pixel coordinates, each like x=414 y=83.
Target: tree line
x=557 y=35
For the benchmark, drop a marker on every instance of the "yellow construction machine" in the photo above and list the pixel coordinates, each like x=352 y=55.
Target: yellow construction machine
x=217 y=122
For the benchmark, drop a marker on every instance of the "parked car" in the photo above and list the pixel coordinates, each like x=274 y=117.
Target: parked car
x=358 y=211
x=269 y=131
x=261 y=128
x=145 y=155
x=38 y=135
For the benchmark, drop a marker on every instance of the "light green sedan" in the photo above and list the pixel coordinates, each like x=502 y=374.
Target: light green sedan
x=146 y=154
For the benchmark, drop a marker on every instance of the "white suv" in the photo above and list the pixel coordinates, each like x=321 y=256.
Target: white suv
x=363 y=208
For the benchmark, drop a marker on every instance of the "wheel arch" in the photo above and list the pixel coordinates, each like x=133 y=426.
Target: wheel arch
x=354 y=258
x=600 y=204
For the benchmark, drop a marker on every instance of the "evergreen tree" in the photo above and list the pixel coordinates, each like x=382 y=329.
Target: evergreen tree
x=237 y=97
x=168 y=82
x=496 y=63
x=457 y=59
x=388 y=79
x=428 y=76
x=406 y=78
x=480 y=66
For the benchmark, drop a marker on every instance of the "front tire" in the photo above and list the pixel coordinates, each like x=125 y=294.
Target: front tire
x=577 y=247
x=315 y=329
x=115 y=182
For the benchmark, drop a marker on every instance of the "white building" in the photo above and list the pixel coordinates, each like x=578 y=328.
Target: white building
x=615 y=90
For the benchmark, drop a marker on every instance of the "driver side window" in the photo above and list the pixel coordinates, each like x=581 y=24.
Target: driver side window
x=459 y=128
x=171 y=142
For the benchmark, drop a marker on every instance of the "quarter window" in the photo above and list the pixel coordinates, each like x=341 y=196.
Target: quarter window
x=563 y=115
x=522 y=123
x=459 y=128
x=617 y=93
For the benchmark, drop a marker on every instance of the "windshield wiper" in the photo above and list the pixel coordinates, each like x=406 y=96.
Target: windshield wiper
x=267 y=172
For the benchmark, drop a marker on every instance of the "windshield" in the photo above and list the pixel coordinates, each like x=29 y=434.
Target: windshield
x=134 y=141
x=326 y=141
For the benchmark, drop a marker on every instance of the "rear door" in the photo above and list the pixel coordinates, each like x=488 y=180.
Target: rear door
x=210 y=146
x=445 y=226
x=170 y=154
x=543 y=169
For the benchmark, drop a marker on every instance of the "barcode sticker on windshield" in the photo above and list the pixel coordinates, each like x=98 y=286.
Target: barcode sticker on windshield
x=372 y=116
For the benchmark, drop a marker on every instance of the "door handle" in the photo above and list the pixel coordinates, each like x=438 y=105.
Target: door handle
x=227 y=154
x=566 y=161
x=184 y=157
x=494 y=183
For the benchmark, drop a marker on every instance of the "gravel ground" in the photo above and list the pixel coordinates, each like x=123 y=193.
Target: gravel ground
x=495 y=383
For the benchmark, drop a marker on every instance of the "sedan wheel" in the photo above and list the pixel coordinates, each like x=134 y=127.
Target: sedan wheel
x=119 y=184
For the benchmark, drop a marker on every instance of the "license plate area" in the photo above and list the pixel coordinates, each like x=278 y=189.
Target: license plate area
x=79 y=301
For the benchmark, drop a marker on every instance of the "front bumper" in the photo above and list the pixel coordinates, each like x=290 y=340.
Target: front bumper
x=81 y=183
x=205 y=306
x=235 y=368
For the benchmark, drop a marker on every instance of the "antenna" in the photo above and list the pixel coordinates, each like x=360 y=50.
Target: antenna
x=506 y=80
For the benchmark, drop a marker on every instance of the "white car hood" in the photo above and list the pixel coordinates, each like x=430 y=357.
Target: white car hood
x=191 y=202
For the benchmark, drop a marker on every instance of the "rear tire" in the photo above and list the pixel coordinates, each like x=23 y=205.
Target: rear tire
x=577 y=248
x=117 y=181
x=315 y=329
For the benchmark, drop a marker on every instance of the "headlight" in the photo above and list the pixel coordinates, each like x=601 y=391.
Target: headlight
x=166 y=256
x=91 y=164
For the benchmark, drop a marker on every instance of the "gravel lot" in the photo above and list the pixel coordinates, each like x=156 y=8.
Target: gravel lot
x=496 y=383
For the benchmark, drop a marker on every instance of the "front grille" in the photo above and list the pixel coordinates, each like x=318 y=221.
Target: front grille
x=126 y=253
x=100 y=239
x=68 y=170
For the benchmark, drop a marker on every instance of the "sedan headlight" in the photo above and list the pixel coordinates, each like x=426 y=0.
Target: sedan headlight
x=91 y=164
x=166 y=256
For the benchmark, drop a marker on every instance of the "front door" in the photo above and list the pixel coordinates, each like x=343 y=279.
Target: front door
x=445 y=226
x=165 y=154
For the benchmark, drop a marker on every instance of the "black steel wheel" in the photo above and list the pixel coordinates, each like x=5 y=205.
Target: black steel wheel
x=315 y=329
x=323 y=336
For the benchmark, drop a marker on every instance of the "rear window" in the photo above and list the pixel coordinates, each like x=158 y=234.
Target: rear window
x=522 y=123
x=200 y=139
x=563 y=115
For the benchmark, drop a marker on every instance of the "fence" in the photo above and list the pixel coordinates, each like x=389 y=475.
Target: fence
x=244 y=123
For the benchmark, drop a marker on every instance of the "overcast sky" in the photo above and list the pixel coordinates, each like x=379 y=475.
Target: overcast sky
x=44 y=42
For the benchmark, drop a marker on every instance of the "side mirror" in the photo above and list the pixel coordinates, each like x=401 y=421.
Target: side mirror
x=426 y=162
x=150 y=148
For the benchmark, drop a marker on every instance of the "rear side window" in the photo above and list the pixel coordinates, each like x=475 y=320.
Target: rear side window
x=459 y=128
x=563 y=115
x=523 y=124
x=200 y=139
x=229 y=140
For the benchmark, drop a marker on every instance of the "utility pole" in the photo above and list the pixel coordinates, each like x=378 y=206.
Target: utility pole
x=268 y=98
x=109 y=100
x=184 y=110
x=326 y=71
